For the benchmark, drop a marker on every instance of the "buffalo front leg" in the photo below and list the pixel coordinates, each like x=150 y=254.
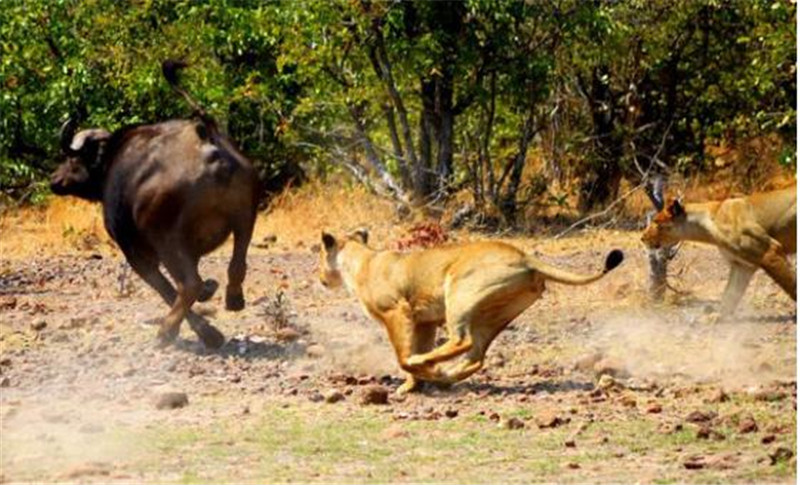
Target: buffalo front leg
x=237 y=268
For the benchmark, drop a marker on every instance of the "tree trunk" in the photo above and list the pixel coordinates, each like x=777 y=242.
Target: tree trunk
x=658 y=258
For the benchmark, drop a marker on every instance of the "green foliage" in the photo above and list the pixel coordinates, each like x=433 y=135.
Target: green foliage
x=620 y=85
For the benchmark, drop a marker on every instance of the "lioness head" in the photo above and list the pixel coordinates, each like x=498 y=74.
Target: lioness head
x=330 y=274
x=664 y=229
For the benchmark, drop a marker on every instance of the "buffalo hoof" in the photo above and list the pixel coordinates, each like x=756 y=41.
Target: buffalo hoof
x=166 y=336
x=234 y=301
x=209 y=288
x=211 y=337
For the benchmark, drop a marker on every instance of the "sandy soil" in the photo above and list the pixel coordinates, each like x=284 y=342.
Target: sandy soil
x=81 y=376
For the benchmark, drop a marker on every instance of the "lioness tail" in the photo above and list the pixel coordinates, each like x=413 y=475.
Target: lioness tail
x=559 y=275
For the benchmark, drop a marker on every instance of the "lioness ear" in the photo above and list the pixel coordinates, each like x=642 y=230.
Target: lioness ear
x=328 y=241
x=362 y=234
x=676 y=210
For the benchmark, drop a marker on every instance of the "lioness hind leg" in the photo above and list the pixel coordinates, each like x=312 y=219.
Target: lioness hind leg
x=777 y=266
x=738 y=280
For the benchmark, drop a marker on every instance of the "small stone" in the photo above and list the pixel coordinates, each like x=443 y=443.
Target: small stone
x=5 y=382
x=451 y=413
x=718 y=396
x=511 y=423
x=570 y=443
x=39 y=325
x=573 y=466
x=705 y=432
x=700 y=416
x=748 y=425
x=374 y=394
x=316 y=396
x=333 y=396
x=654 y=408
x=628 y=401
x=780 y=454
x=608 y=383
x=287 y=334
x=172 y=400
x=549 y=419
x=695 y=463
x=768 y=439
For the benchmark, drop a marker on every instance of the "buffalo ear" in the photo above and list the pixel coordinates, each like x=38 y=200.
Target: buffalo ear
x=328 y=241
x=676 y=210
x=363 y=235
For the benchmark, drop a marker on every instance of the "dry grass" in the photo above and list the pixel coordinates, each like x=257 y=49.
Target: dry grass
x=297 y=216
x=63 y=225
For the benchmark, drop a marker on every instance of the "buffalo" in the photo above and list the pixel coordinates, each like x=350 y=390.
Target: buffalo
x=171 y=193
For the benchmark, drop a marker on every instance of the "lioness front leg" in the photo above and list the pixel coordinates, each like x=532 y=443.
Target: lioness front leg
x=738 y=280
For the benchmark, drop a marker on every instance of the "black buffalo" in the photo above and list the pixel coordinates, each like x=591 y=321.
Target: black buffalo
x=171 y=193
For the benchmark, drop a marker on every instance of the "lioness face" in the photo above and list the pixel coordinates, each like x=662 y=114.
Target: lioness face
x=664 y=229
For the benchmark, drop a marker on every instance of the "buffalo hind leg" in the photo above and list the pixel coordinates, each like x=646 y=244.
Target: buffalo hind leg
x=146 y=266
x=237 y=268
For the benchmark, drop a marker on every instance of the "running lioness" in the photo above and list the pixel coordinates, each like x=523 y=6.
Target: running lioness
x=757 y=231
x=474 y=289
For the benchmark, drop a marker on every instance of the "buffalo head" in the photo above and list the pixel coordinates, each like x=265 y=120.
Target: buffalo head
x=81 y=174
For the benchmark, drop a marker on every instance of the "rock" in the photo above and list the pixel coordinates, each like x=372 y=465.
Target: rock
x=628 y=401
x=768 y=439
x=287 y=334
x=549 y=419
x=570 y=443
x=706 y=432
x=700 y=416
x=172 y=400
x=780 y=454
x=333 y=396
x=5 y=382
x=608 y=383
x=653 y=408
x=374 y=394
x=748 y=425
x=573 y=466
x=695 y=463
x=451 y=413
x=315 y=350
x=39 y=325
x=718 y=396
x=511 y=423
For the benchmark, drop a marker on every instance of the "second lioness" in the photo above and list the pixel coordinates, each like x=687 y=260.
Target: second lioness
x=474 y=289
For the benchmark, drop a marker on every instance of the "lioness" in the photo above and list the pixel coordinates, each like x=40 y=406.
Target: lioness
x=752 y=232
x=475 y=289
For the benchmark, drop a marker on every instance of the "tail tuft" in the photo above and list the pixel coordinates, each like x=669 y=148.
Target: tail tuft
x=614 y=259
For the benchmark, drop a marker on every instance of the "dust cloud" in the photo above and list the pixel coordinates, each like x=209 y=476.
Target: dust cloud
x=679 y=346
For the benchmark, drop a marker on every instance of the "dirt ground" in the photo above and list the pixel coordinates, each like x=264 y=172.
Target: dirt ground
x=591 y=384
